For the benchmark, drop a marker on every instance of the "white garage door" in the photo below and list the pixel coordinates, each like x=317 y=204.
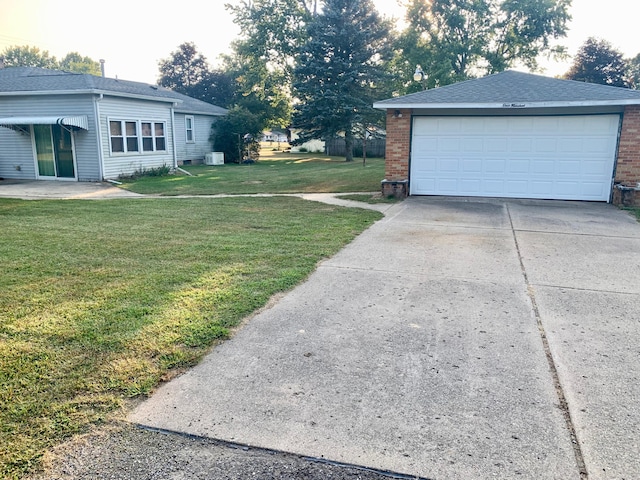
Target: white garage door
x=550 y=157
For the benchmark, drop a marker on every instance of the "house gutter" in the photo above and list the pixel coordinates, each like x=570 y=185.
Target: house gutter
x=507 y=105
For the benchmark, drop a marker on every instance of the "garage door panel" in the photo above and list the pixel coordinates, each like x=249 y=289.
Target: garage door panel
x=539 y=187
x=471 y=186
x=523 y=144
x=569 y=167
x=471 y=166
x=544 y=167
x=495 y=166
x=571 y=145
x=520 y=166
x=598 y=145
x=472 y=145
x=564 y=157
x=448 y=165
x=545 y=145
x=517 y=188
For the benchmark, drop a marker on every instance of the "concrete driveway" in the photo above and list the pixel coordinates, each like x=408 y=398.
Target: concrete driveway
x=453 y=339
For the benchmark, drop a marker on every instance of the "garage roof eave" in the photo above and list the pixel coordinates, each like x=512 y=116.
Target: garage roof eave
x=388 y=105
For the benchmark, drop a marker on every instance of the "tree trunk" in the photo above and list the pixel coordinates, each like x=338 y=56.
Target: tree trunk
x=348 y=144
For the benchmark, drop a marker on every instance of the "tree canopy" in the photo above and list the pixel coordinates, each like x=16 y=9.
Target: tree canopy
x=598 y=62
x=458 y=39
x=26 y=56
x=340 y=71
x=264 y=56
x=187 y=71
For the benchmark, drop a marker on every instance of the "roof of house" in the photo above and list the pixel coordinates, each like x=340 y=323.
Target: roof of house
x=34 y=80
x=517 y=89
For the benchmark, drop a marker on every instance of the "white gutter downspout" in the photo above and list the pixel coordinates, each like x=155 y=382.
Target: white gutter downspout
x=173 y=136
x=96 y=108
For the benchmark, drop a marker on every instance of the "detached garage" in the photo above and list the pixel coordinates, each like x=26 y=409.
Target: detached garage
x=515 y=135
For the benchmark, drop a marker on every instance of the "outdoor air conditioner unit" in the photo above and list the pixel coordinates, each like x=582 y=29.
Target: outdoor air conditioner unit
x=214 y=158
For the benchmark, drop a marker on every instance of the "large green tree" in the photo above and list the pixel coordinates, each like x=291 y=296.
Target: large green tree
x=633 y=72
x=598 y=62
x=458 y=39
x=187 y=71
x=263 y=57
x=340 y=71
x=26 y=56
x=74 y=62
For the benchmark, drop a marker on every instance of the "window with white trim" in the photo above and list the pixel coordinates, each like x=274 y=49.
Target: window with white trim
x=189 y=127
x=137 y=136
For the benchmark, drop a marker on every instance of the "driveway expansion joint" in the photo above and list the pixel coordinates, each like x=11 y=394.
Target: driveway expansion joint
x=563 y=404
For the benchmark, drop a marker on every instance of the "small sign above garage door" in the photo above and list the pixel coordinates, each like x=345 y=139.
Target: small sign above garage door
x=548 y=157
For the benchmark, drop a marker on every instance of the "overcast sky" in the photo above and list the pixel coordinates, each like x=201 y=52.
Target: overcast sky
x=132 y=37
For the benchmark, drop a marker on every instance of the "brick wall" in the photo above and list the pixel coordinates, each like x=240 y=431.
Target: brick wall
x=398 y=145
x=628 y=167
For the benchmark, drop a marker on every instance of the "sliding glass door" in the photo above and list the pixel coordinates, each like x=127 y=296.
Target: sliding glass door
x=54 y=151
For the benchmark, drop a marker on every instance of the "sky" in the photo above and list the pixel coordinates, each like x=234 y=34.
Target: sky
x=132 y=38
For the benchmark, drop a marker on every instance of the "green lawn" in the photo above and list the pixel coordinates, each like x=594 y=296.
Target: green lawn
x=100 y=300
x=275 y=172
x=635 y=211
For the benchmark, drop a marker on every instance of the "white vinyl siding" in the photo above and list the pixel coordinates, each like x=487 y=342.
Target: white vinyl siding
x=548 y=157
x=196 y=150
x=137 y=156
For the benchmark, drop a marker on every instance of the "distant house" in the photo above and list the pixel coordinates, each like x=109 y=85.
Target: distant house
x=274 y=136
x=68 y=126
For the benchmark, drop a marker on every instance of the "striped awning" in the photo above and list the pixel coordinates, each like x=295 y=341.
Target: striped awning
x=78 y=121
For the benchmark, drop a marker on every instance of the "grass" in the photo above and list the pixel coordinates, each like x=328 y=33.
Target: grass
x=275 y=172
x=635 y=211
x=100 y=301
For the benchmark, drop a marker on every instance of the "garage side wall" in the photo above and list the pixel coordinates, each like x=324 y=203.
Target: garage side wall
x=398 y=149
x=628 y=168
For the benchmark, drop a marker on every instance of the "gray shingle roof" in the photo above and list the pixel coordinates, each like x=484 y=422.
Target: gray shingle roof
x=511 y=87
x=33 y=79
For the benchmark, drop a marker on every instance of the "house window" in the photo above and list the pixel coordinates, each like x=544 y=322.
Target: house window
x=161 y=143
x=189 y=128
x=117 y=139
x=130 y=136
x=131 y=128
x=147 y=136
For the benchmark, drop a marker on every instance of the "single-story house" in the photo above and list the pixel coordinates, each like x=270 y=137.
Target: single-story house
x=57 y=125
x=515 y=135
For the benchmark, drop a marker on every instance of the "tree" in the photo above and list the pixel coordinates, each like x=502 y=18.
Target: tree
x=598 y=62
x=633 y=72
x=27 y=56
x=457 y=39
x=74 y=62
x=236 y=134
x=264 y=56
x=187 y=71
x=340 y=71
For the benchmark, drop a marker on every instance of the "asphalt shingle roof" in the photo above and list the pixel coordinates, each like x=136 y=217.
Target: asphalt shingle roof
x=33 y=79
x=514 y=87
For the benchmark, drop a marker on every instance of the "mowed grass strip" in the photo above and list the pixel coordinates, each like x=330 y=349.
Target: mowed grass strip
x=101 y=300
x=273 y=173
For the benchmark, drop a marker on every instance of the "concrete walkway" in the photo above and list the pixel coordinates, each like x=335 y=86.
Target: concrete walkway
x=60 y=190
x=453 y=339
